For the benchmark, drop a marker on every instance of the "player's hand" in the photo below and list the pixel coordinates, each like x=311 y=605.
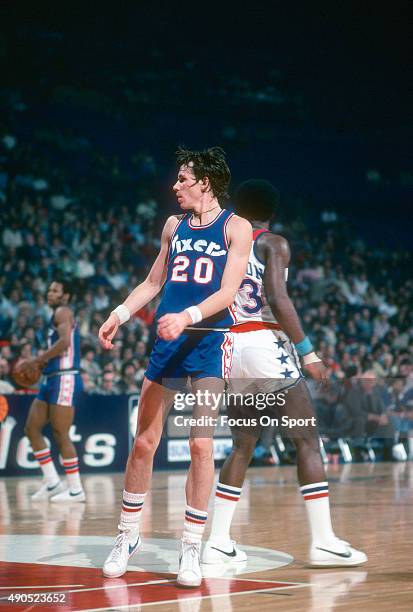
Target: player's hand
x=171 y=326
x=318 y=372
x=108 y=331
x=40 y=362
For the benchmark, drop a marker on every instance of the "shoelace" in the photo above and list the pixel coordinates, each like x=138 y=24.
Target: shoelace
x=192 y=550
x=117 y=550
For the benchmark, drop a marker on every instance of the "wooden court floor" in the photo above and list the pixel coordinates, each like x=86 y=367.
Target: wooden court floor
x=45 y=547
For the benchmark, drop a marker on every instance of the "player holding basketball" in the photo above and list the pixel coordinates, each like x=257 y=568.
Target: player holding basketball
x=268 y=341
x=202 y=261
x=57 y=398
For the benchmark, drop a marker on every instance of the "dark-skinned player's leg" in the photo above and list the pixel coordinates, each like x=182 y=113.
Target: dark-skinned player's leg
x=298 y=405
x=219 y=547
x=37 y=419
x=326 y=549
x=310 y=467
x=61 y=420
x=236 y=464
x=311 y=476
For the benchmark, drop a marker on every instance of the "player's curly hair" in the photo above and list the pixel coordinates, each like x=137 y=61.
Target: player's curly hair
x=208 y=162
x=256 y=199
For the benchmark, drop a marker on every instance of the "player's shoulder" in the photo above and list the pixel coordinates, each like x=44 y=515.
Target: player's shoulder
x=238 y=223
x=275 y=242
x=63 y=313
x=174 y=219
x=171 y=223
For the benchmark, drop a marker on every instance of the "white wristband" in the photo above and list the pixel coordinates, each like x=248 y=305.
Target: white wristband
x=123 y=313
x=310 y=358
x=194 y=313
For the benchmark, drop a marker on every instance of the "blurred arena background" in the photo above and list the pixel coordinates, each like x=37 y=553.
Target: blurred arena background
x=92 y=111
x=314 y=99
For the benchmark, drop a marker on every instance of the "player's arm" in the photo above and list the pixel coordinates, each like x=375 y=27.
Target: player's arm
x=63 y=319
x=239 y=233
x=276 y=255
x=143 y=293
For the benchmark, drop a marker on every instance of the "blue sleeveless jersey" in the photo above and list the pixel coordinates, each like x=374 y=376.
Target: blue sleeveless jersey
x=196 y=262
x=70 y=358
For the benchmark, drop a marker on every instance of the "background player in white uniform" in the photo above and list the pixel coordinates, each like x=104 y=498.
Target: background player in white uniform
x=203 y=258
x=268 y=341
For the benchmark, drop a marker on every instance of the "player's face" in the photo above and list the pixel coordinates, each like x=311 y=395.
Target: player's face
x=187 y=189
x=55 y=295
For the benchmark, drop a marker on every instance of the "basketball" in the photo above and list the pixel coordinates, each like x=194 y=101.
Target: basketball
x=4 y=408
x=26 y=373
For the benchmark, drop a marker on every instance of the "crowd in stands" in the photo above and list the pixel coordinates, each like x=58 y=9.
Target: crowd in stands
x=354 y=299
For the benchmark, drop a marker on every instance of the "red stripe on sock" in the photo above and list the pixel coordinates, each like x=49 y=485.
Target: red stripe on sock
x=124 y=509
x=42 y=455
x=44 y=461
x=315 y=496
x=191 y=520
x=71 y=462
x=218 y=494
x=71 y=471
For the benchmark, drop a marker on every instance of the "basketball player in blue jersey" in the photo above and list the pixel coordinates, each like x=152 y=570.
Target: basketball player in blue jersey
x=268 y=345
x=57 y=398
x=202 y=261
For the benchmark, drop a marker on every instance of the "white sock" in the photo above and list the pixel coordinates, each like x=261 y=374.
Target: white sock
x=226 y=499
x=71 y=467
x=317 y=504
x=131 y=513
x=46 y=464
x=194 y=524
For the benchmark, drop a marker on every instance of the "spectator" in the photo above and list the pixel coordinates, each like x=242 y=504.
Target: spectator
x=6 y=385
x=128 y=382
x=89 y=364
x=108 y=386
x=101 y=299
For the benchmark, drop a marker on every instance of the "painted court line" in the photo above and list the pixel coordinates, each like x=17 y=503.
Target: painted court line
x=203 y=597
x=41 y=586
x=121 y=586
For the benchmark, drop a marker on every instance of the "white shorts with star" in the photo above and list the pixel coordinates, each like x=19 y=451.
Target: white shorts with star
x=263 y=361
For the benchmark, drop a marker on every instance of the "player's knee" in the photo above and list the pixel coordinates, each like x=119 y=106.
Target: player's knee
x=31 y=431
x=144 y=446
x=307 y=445
x=60 y=435
x=201 y=448
x=244 y=448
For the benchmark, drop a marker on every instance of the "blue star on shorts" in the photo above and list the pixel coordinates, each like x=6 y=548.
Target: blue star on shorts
x=287 y=373
x=280 y=343
x=283 y=359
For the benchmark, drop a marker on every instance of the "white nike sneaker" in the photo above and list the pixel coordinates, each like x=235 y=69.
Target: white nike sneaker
x=117 y=561
x=336 y=554
x=223 y=553
x=68 y=496
x=46 y=492
x=189 y=574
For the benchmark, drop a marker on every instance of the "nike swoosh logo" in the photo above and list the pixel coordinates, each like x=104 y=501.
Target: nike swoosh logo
x=74 y=494
x=53 y=487
x=132 y=548
x=346 y=555
x=228 y=554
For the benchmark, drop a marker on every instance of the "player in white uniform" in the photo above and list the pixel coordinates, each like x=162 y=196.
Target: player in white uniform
x=268 y=345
